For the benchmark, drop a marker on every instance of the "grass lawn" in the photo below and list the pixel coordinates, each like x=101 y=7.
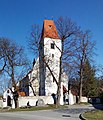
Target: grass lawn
x=82 y=103
x=94 y=115
x=47 y=107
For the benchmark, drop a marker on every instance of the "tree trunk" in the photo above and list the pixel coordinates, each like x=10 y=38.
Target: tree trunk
x=81 y=84
x=60 y=73
x=15 y=88
x=80 y=91
x=32 y=89
x=59 y=84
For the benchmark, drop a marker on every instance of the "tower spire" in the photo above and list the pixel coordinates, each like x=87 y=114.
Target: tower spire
x=49 y=30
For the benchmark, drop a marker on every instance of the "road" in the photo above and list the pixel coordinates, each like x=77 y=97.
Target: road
x=71 y=113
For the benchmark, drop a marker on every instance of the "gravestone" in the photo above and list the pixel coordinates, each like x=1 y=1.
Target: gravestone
x=40 y=102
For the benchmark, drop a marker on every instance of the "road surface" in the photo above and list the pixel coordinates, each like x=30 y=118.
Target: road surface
x=71 y=113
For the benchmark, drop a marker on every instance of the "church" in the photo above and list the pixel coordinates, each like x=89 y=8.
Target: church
x=40 y=80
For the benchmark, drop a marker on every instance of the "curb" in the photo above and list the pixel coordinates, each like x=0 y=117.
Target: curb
x=81 y=117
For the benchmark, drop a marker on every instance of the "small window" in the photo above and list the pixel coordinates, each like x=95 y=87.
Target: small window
x=52 y=46
x=50 y=26
x=52 y=55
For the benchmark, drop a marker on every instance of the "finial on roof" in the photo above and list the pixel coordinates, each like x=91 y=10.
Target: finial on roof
x=45 y=17
x=52 y=17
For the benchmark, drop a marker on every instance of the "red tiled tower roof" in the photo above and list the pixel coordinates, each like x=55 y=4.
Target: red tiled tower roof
x=49 y=30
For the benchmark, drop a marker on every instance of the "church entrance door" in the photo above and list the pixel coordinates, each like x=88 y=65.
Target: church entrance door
x=8 y=101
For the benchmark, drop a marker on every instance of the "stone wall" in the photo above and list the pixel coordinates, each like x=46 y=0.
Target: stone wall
x=1 y=103
x=84 y=99
x=33 y=100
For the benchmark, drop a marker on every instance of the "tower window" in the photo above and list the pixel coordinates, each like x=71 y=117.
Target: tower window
x=50 y=26
x=52 y=46
x=52 y=55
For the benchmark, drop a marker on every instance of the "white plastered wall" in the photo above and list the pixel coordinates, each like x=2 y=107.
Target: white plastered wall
x=53 y=62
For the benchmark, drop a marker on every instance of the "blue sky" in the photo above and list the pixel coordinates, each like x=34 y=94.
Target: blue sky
x=17 y=17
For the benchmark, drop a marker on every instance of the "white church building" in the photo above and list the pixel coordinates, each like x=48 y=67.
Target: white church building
x=49 y=59
x=39 y=81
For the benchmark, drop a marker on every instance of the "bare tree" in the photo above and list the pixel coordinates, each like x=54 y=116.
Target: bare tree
x=15 y=60
x=2 y=61
x=68 y=31
x=84 y=51
x=78 y=47
x=1 y=70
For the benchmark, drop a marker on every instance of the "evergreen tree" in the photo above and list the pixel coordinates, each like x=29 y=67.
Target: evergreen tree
x=89 y=81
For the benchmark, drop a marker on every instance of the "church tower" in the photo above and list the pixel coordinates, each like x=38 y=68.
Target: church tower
x=50 y=47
